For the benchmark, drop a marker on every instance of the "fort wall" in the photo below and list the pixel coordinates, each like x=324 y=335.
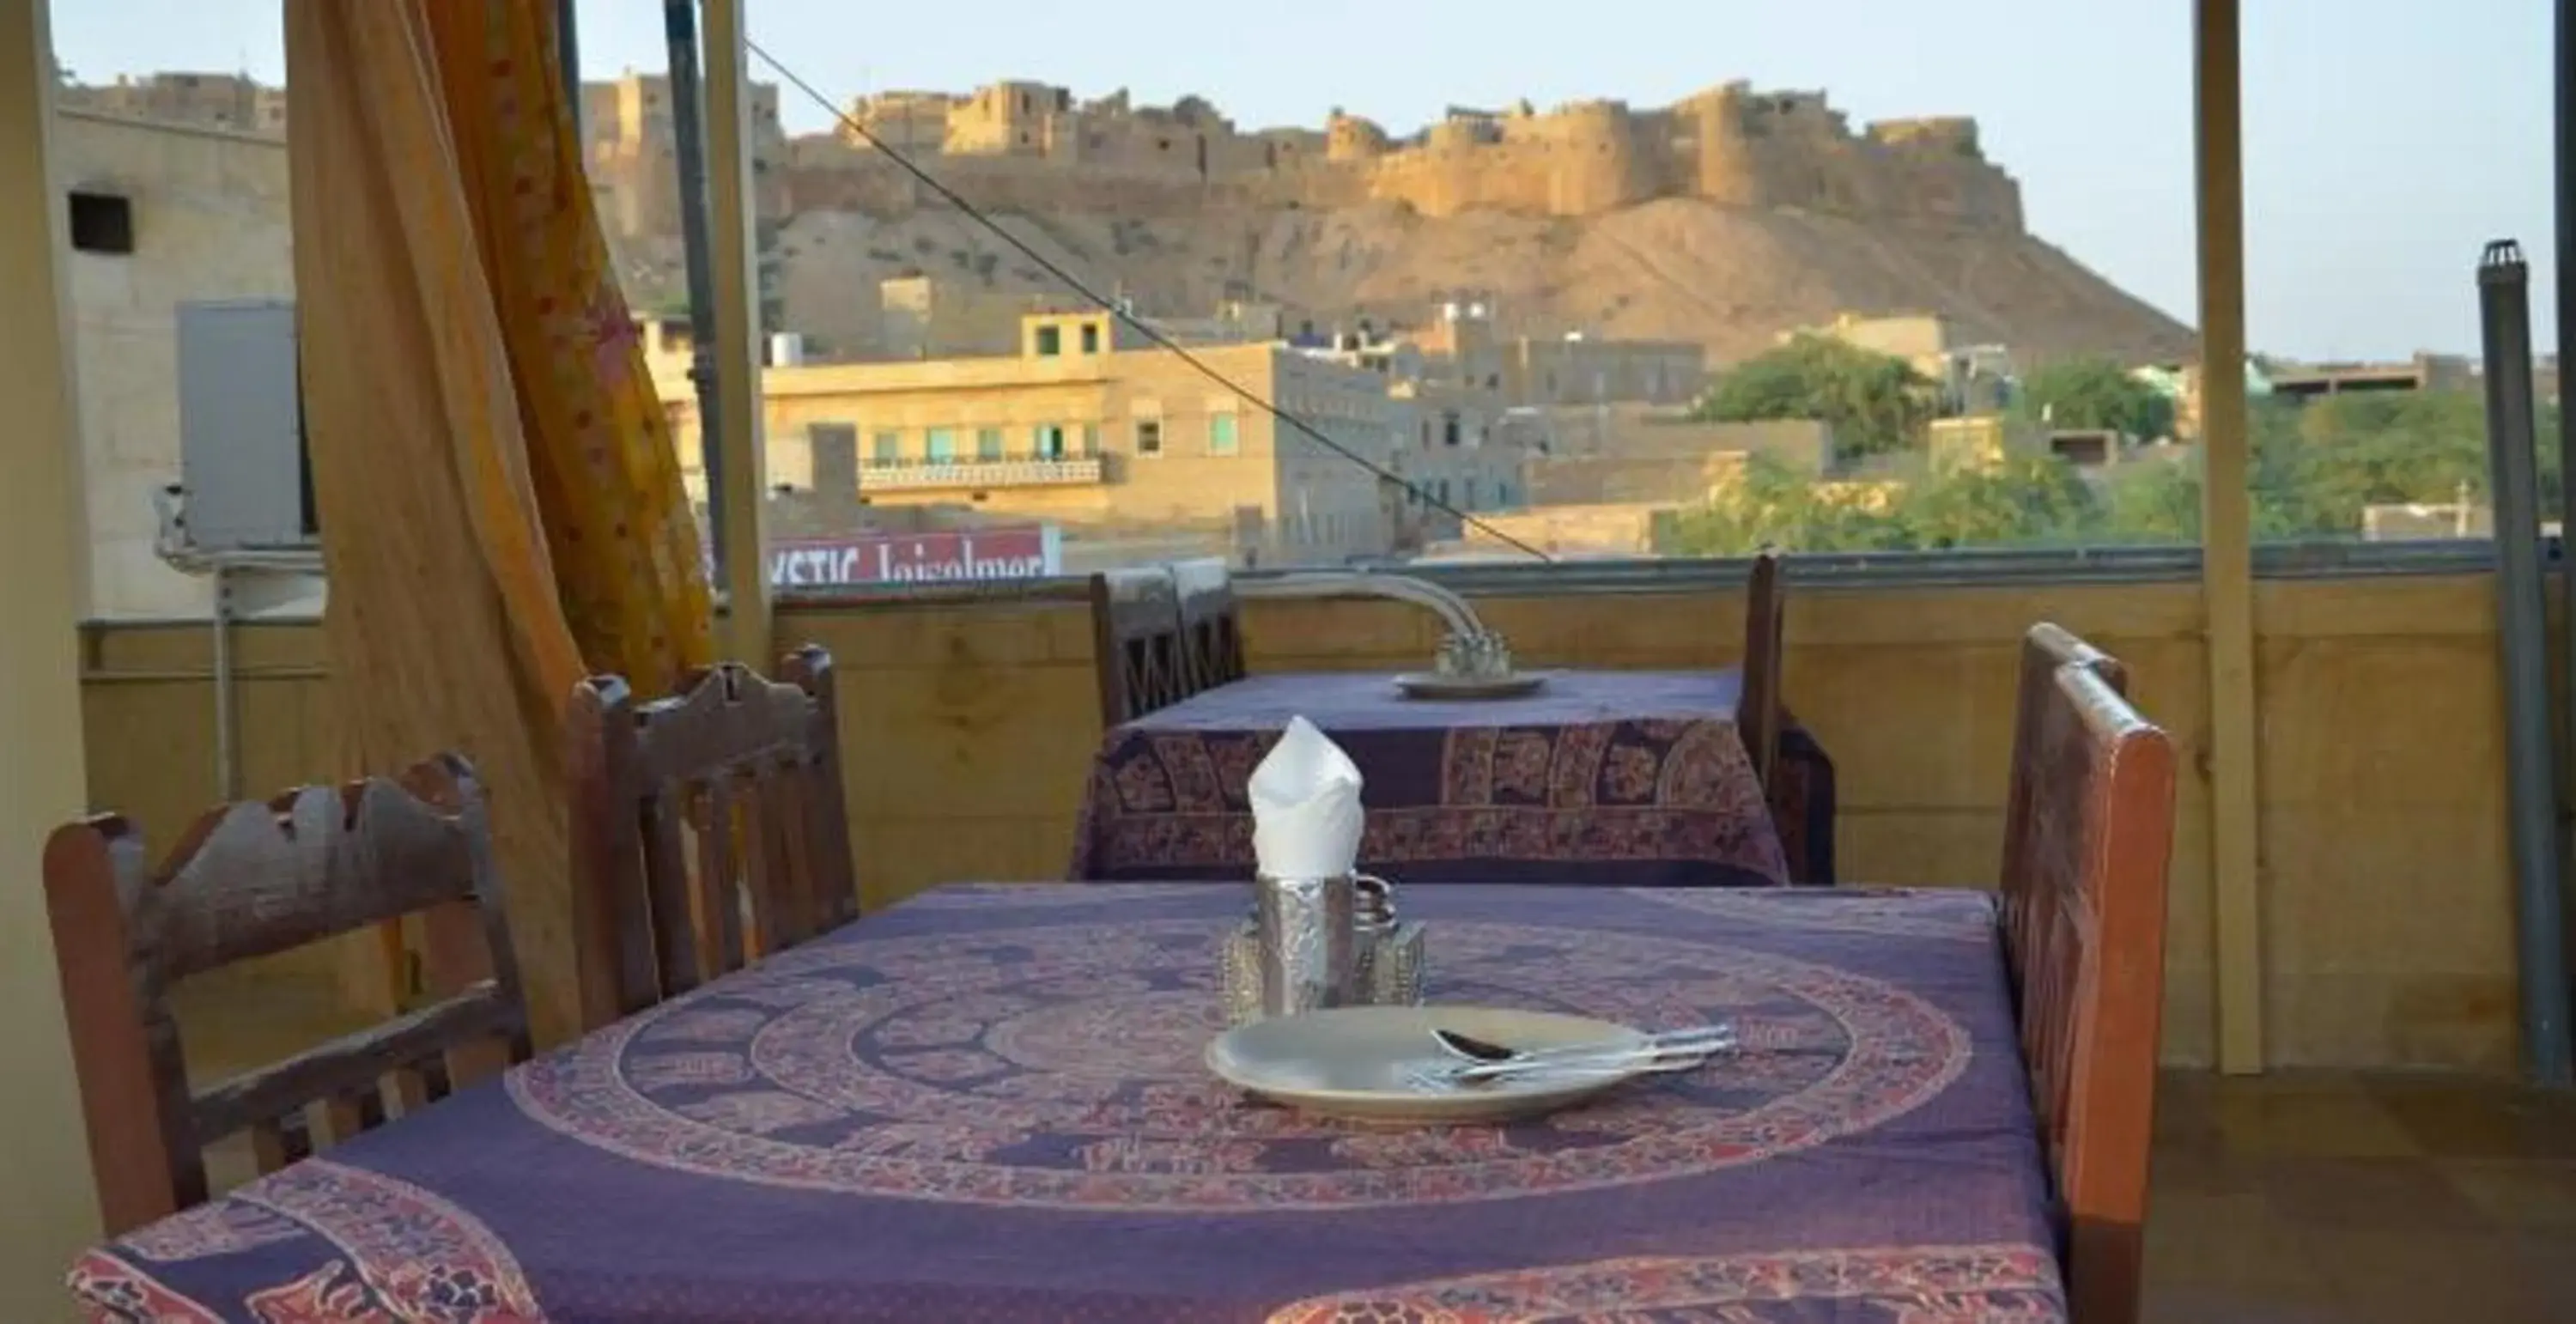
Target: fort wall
x=1022 y=145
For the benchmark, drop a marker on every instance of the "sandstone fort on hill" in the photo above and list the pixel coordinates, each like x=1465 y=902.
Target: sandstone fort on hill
x=1727 y=217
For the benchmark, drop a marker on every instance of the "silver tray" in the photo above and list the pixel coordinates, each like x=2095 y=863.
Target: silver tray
x=1433 y=685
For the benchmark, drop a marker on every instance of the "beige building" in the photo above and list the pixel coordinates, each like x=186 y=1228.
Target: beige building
x=1973 y=377
x=1107 y=441
x=1671 y=459
x=162 y=214
x=2424 y=372
x=1463 y=342
x=1463 y=450
x=230 y=102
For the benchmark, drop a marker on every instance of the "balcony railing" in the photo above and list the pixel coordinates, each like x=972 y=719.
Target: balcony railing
x=1003 y=471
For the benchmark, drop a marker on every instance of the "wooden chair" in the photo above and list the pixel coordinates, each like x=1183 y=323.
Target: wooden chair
x=1758 y=707
x=1211 y=625
x=249 y=880
x=708 y=828
x=1137 y=650
x=2088 y=836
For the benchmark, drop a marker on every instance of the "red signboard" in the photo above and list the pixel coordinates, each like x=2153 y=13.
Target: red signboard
x=1022 y=552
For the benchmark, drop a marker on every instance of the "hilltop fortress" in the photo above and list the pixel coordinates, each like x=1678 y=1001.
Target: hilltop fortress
x=1022 y=146
x=1723 y=219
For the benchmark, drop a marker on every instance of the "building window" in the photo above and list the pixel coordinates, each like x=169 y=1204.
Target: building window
x=1149 y=436
x=988 y=443
x=1222 y=438
x=1048 y=440
x=940 y=446
x=1091 y=337
x=888 y=448
x=102 y=223
x=1449 y=429
x=1471 y=494
x=1050 y=341
x=1090 y=439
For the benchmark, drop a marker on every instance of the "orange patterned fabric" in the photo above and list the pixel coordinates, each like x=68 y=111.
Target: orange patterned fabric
x=500 y=509
x=617 y=520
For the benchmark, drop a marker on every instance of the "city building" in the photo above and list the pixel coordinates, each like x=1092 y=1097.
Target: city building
x=2424 y=372
x=234 y=103
x=1974 y=377
x=1110 y=442
x=1464 y=344
x=161 y=214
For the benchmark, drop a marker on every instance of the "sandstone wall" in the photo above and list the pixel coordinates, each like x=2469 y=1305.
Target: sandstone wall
x=210 y=222
x=1030 y=147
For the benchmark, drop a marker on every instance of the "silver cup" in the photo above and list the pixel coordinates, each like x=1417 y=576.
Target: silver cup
x=1308 y=943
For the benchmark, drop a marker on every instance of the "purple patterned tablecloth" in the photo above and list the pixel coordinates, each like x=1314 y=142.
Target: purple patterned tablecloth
x=1639 y=776
x=987 y=1105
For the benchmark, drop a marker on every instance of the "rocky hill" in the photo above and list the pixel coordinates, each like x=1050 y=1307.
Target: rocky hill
x=1679 y=268
x=1726 y=217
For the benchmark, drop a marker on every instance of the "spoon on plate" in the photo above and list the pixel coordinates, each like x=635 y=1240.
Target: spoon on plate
x=1679 y=1050
x=1486 y=1052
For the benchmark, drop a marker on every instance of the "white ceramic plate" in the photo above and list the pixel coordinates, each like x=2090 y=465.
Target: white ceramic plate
x=1355 y=1062
x=1433 y=685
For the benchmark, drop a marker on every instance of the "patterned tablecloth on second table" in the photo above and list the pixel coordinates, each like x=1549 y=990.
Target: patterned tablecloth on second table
x=1638 y=776
x=988 y=1105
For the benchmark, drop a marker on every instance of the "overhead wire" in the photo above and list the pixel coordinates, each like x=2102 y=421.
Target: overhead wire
x=1117 y=308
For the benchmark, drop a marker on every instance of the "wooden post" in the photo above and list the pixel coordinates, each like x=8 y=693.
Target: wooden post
x=738 y=335
x=50 y=1209
x=2226 y=530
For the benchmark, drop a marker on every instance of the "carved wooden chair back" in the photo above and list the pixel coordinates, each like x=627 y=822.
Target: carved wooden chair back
x=1211 y=625
x=2089 y=835
x=708 y=828
x=1759 y=707
x=249 y=880
x=1137 y=648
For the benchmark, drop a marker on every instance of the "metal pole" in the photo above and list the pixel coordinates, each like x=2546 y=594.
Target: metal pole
x=688 y=136
x=568 y=54
x=227 y=713
x=2565 y=125
x=2504 y=310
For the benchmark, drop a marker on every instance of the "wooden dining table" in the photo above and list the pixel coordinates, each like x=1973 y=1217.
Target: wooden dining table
x=988 y=1103
x=1639 y=777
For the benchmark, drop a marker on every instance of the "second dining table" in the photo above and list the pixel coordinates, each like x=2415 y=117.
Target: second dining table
x=1640 y=778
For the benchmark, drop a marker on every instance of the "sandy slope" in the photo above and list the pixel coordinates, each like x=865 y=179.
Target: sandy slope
x=1677 y=268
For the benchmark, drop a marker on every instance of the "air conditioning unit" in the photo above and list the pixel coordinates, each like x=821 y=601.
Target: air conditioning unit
x=248 y=484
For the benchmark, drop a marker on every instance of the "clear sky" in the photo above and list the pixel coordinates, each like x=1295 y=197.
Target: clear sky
x=2386 y=140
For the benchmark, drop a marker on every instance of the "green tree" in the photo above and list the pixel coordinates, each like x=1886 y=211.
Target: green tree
x=2155 y=504
x=2312 y=471
x=1875 y=402
x=2034 y=500
x=2097 y=393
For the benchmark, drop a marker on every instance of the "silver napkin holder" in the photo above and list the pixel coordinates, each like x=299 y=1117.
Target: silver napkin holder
x=1291 y=954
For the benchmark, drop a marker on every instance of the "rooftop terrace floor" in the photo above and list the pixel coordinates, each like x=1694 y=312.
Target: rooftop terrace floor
x=2364 y=1198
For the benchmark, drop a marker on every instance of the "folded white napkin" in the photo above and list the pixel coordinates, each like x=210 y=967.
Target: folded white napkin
x=1306 y=814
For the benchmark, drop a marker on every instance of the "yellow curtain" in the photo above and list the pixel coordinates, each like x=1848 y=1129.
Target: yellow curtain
x=629 y=572
x=501 y=512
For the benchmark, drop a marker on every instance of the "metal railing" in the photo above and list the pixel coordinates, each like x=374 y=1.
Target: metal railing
x=1022 y=470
